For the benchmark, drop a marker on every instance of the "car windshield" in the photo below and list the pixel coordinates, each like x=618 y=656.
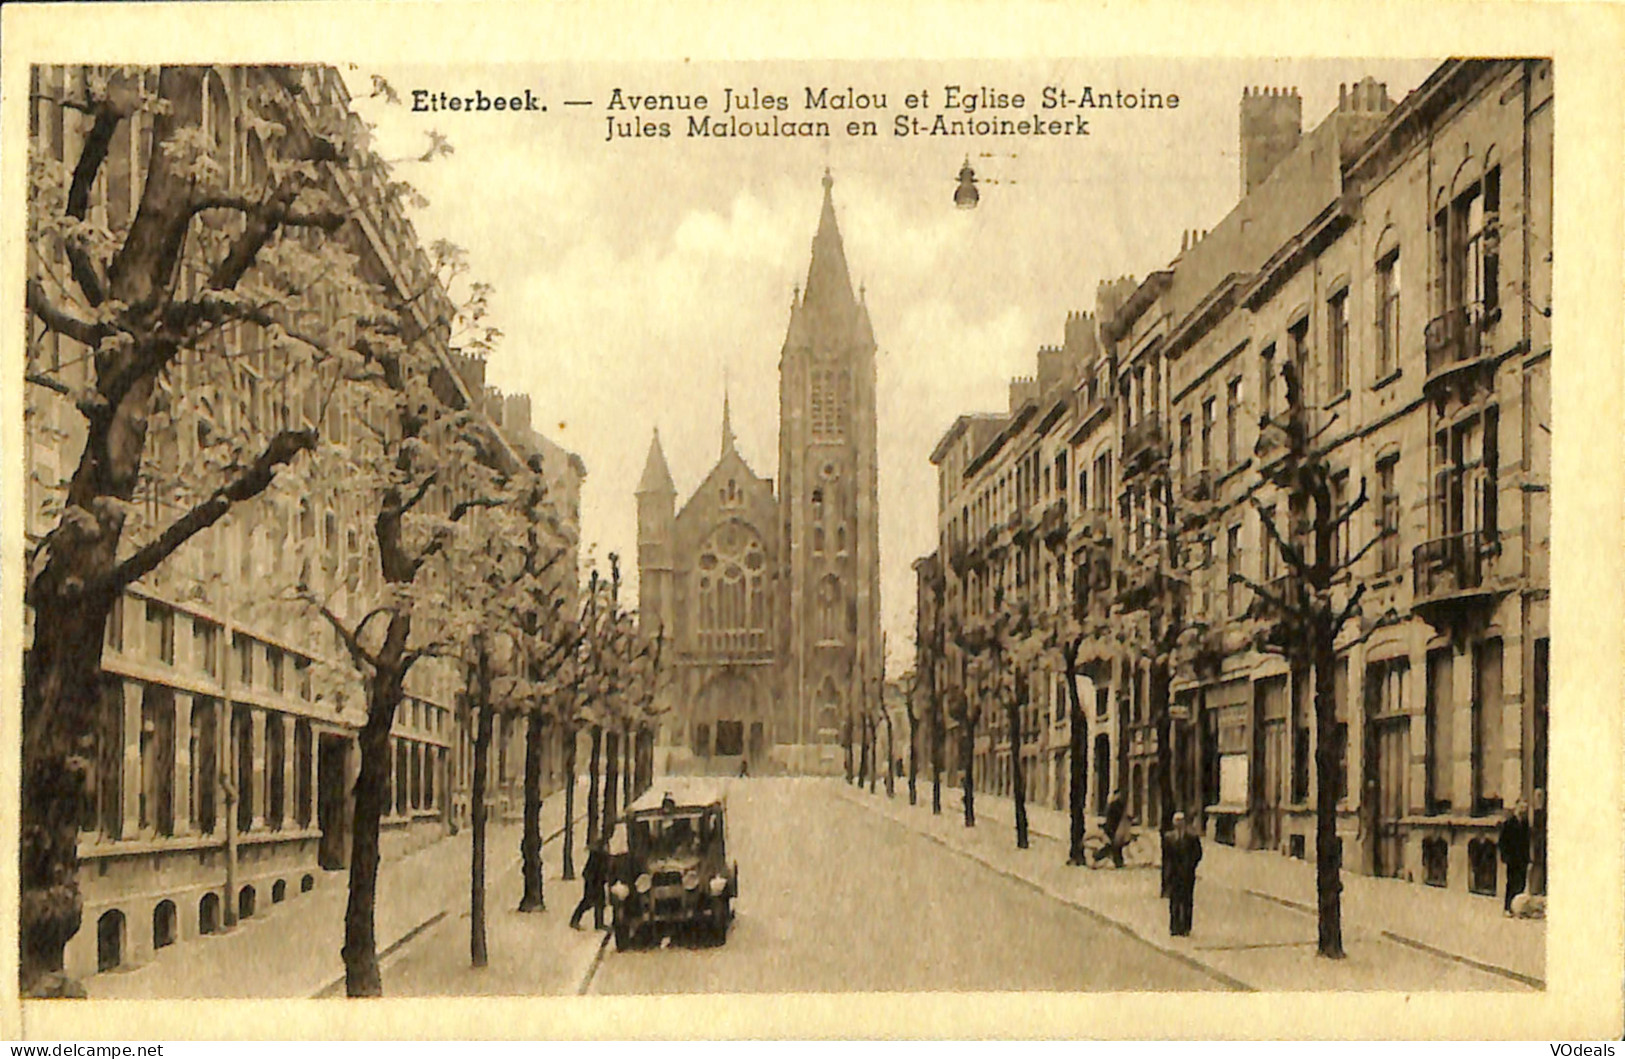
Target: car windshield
x=670 y=835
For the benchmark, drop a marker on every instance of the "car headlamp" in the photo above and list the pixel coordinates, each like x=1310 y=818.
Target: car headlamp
x=644 y=882
x=691 y=879
x=621 y=891
x=718 y=885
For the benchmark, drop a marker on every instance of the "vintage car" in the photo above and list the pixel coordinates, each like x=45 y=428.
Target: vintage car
x=669 y=866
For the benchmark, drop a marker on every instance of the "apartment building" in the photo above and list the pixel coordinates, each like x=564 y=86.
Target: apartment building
x=1399 y=255
x=226 y=748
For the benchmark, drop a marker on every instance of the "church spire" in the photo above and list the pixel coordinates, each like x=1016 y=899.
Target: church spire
x=727 y=422
x=656 y=476
x=829 y=285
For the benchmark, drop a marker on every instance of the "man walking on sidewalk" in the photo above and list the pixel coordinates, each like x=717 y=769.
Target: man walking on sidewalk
x=594 y=876
x=1181 y=852
x=1116 y=828
x=1515 y=851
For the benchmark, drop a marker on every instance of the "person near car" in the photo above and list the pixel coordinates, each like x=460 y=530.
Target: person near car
x=1181 y=853
x=1116 y=828
x=1515 y=852
x=594 y=877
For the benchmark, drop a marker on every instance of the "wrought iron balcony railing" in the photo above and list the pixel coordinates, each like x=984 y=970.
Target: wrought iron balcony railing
x=1452 y=568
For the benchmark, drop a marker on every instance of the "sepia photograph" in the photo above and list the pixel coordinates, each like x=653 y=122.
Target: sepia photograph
x=595 y=527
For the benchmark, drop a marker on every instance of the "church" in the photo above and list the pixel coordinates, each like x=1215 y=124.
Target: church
x=769 y=594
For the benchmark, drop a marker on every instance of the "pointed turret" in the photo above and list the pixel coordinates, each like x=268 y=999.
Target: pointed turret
x=829 y=286
x=727 y=425
x=656 y=475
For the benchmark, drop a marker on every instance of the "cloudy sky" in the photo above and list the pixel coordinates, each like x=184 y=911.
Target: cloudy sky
x=633 y=276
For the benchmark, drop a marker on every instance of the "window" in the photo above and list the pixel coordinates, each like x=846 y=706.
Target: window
x=1388 y=512
x=1298 y=346
x=1232 y=567
x=1340 y=530
x=1340 y=729
x=1185 y=445
x=206 y=646
x=161 y=632
x=1232 y=409
x=1268 y=551
x=828 y=403
x=1488 y=752
x=733 y=571
x=1464 y=492
x=1207 y=433
x=1439 y=709
x=1466 y=247
x=243 y=648
x=301 y=668
x=1337 y=343
x=115 y=625
x=1266 y=381
x=829 y=609
x=273 y=663
x=1388 y=315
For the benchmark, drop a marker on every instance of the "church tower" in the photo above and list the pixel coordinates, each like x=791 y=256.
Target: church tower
x=657 y=516
x=828 y=485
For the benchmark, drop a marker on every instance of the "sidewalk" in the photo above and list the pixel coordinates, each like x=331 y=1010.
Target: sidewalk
x=1255 y=924
x=530 y=953
x=292 y=949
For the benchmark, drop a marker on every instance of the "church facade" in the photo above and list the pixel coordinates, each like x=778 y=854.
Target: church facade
x=769 y=594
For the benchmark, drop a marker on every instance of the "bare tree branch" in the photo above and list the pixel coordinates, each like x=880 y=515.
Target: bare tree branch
x=49 y=383
x=351 y=644
x=61 y=320
x=1293 y=555
x=250 y=483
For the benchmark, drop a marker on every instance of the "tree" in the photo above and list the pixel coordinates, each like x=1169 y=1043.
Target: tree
x=969 y=641
x=218 y=264
x=1081 y=634
x=911 y=688
x=1301 y=618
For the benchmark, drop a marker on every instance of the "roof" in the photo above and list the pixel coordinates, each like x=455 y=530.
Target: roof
x=684 y=790
x=656 y=476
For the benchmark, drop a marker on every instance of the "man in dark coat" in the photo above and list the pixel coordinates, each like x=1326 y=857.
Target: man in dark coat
x=1515 y=852
x=1181 y=853
x=594 y=877
x=1116 y=810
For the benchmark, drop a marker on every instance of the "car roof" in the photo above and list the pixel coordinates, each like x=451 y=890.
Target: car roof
x=687 y=792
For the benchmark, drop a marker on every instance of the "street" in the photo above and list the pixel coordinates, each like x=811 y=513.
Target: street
x=833 y=897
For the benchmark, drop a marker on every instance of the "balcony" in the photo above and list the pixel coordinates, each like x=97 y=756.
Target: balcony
x=1455 y=349
x=1142 y=445
x=1091 y=525
x=1198 y=485
x=1052 y=525
x=1449 y=576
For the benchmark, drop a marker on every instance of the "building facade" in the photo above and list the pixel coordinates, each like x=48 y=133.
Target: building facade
x=771 y=595
x=1399 y=256
x=225 y=754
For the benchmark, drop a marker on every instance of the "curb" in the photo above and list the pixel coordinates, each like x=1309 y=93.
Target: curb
x=1421 y=946
x=335 y=988
x=1181 y=957
x=1295 y=906
x=592 y=969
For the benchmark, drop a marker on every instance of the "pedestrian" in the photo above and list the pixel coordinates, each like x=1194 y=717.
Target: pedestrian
x=1116 y=828
x=1181 y=853
x=594 y=876
x=1515 y=851
x=744 y=768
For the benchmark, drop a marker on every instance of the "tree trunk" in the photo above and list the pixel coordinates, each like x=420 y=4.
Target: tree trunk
x=594 y=761
x=569 y=870
x=937 y=737
x=1328 y=850
x=967 y=758
x=612 y=764
x=1161 y=677
x=1077 y=762
x=1018 y=778
x=478 y=957
x=530 y=845
x=863 y=750
x=913 y=758
x=384 y=693
x=891 y=759
x=846 y=737
x=628 y=755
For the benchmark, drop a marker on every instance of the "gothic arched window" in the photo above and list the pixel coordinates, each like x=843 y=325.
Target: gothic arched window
x=733 y=572
x=827 y=403
x=829 y=609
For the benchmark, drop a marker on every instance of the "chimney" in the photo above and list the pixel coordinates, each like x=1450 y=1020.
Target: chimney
x=1271 y=124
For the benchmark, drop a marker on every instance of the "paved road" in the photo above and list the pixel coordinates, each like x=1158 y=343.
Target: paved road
x=837 y=898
